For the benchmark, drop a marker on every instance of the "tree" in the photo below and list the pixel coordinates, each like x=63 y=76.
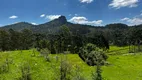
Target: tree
x=14 y=39
x=26 y=39
x=4 y=40
x=97 y=75
x=92 y=55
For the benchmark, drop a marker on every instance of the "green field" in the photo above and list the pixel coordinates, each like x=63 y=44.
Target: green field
x=122 y=65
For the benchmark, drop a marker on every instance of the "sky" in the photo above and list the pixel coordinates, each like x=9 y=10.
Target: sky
x=90 y=12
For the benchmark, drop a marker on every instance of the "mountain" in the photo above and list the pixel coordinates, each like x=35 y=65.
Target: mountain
x=49 y=27
x=54 y=26
x=18 y=26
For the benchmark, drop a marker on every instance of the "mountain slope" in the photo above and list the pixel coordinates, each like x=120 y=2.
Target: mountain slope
x=54 y=26
x=18 y=26
x=50 y=27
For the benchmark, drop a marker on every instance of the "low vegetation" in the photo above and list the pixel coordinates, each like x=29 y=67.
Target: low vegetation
x=120 y=67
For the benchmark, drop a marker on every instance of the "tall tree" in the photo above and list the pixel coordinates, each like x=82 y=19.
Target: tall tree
x=4 y=40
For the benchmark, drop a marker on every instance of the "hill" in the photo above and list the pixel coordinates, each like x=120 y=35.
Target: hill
x=18 y=26
x=50 y=27
x=54 y=26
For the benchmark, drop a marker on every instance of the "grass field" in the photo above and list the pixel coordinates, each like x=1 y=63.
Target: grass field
x=122 y=65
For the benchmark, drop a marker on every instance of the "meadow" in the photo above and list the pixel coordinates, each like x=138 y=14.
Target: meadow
x=121 y=65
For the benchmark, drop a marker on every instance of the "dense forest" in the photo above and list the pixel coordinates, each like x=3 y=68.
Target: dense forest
x=62 y=33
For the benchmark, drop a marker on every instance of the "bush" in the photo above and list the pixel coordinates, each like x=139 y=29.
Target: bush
x=97 y=75
x=77 y=75
x=4 y=66
x=26 y=74
x=65 y=70
x=91 y=55
x=45 y=53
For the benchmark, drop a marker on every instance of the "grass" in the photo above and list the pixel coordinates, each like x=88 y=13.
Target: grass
x=124 y=67
x=121 y=67
x=114 y=50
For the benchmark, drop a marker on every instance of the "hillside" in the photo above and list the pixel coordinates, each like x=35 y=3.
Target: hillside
x=122 y=67
x=18 y=26
x=54 y=26
x=49 y=27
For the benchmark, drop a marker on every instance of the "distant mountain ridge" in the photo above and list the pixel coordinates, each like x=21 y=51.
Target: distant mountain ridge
x=18 y=26
x=54 y=26
x=49 y=27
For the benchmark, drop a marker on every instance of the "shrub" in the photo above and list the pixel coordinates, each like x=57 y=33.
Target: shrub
x=65 y=70
x=4 y=66
x=78 y=75
x=45 y=53
x=91 y=55
x=26 y=74
x=33 y=53
x=97 y=75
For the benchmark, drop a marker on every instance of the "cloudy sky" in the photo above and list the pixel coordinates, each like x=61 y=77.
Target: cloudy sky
x=91 y=12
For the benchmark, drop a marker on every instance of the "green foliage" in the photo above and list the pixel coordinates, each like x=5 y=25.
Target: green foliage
x=77 y=75
x=4 y=37
x=13 y=40
x=45 y=52
x=26 y=39
x=117 y=26
x=65 y=70
x=92 y=55
x=4 y=63
x=97 y=75
x=25 y=71
x=4 y=67
x=123 y=66
x=18 y=26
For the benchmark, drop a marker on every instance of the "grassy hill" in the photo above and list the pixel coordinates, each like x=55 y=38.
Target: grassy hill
x=121 y=66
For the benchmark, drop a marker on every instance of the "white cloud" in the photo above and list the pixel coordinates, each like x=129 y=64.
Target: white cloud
x=86 y=1
x=52 y=17
x=84 y=20
x=133 y=21
x=123 y=3
x=34 y=23
x=13 y=17
x=43 y=15
x=125 y=19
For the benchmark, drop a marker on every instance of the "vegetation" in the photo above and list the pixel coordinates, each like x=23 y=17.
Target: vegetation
x=121 y=66
x=70 y=53
x=92 y=55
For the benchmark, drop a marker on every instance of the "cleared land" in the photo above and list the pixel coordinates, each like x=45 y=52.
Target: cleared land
x=122 y=65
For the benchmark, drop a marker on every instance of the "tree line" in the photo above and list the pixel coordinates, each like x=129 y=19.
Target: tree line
x=66 y=39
